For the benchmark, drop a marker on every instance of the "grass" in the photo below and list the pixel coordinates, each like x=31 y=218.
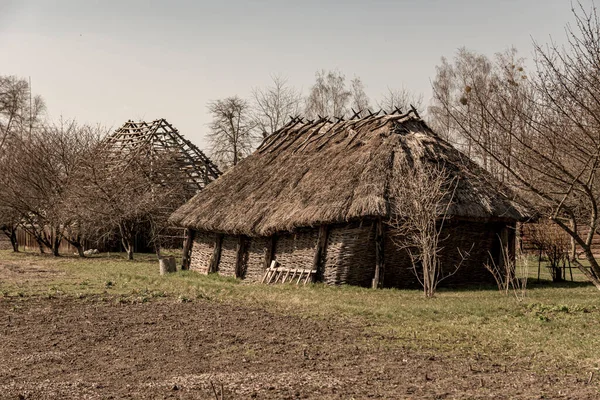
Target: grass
x=555 y=323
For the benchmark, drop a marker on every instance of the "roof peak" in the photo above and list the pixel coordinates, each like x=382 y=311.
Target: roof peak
x=356 y=116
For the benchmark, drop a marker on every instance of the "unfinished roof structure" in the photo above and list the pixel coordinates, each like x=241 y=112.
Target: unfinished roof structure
x=313 y=196
x=160 y=136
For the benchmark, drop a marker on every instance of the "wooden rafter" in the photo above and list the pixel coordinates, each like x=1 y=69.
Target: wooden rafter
x=152 y=138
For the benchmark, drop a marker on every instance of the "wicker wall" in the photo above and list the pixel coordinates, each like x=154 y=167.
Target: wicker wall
x=255 y=265
x=296 y=250
x=350 y=255
x=398 y=267
x=202 y=251
x=227 y=263
x=480 y=238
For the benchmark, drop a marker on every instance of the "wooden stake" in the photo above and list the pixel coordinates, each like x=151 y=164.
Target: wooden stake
x=320 y=252
x=240 y=257
x=216 y=257
x=379 y=256
x=186 y=256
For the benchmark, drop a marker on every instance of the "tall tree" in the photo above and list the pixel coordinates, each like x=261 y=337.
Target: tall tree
x=230 y=130
x=273 y=105
x=359 y=101
x=552 y=120
x=328 y=96
x=124 y=192
x=472 y=84
x=20 y=111
x=401 y=99
x=37 y=171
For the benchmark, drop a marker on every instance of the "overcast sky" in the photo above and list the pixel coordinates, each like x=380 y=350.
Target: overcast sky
x=109 y=61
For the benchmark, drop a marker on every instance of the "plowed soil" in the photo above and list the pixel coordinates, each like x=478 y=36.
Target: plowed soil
x=94 y=348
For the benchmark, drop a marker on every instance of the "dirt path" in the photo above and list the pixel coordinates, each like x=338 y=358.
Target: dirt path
x=92 y=349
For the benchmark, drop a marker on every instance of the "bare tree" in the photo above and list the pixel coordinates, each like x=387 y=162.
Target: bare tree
x=230 y=130
x=421 y=197
x=273 y=105
x=401 y=99
x=37 y=171
x=328 y=96
x=128 y=192
x=19 y=110
x=472 y=84
x=9 y=222
x=359 y=101
x=552 y=120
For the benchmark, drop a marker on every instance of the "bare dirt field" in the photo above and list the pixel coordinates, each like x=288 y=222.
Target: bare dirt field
x=104 y=346
x=97 y=349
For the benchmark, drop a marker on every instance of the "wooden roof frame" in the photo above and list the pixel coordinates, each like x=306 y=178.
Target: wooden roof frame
x=160 y=136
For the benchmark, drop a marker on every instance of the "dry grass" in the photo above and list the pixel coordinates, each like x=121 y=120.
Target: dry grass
x=555 y=324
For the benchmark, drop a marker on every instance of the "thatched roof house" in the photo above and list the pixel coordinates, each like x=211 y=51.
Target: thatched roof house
x=313 y=194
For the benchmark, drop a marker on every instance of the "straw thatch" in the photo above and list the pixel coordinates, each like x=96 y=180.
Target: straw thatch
x=312 y=173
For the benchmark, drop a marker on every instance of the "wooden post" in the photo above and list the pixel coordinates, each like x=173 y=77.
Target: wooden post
x=240 y=256
x=270 y=251
x=318 y=261
x=379 y=256
x=216 y=257
x=167 y=265
x=186 y=261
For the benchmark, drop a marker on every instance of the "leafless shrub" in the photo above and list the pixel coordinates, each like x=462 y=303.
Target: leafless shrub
x=510 y=273
x=553 y=243
x=421 y=199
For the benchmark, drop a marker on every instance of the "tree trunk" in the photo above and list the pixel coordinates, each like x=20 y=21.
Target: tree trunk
x=79 y=248
x=40 y=244
x=127 y=243
x=11 y=233
x=14 y=241
x=55 y=247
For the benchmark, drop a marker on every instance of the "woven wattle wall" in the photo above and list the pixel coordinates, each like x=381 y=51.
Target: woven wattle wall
x=350 y=255
x=477 y=237
x=202 y=252
x=255 y=265
x=481 y=239
x=296 y=250
x=398 y=267
x=227 y=262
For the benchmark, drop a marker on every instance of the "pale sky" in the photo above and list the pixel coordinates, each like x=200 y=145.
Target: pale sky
x=109 y=61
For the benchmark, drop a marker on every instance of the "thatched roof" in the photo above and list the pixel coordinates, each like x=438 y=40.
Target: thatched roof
x=160 y=136
x=310 y=173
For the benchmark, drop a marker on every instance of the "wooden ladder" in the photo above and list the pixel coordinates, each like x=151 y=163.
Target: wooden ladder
x=276 y=274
